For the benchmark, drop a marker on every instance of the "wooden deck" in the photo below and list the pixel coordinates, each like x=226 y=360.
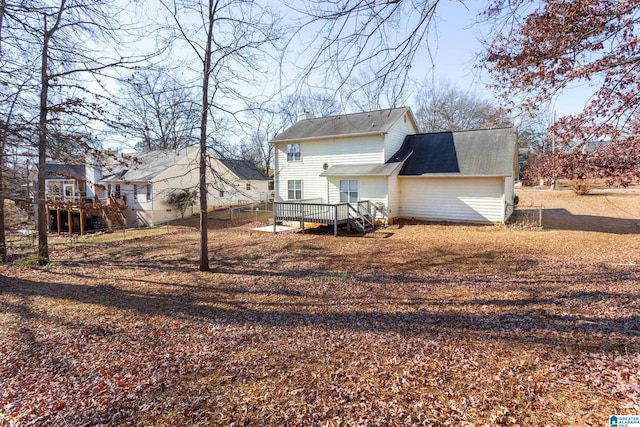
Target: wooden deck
x=72 y=214
x=360 y=215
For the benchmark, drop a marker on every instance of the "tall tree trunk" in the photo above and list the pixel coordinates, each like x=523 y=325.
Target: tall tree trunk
x=43 y=215
x=3 y=135
x=204 y=238
x=43 y=245
x=3 y=237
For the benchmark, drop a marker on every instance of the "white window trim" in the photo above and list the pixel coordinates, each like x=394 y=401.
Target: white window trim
x=350 y=190
x=289 y=189
x=294 y=155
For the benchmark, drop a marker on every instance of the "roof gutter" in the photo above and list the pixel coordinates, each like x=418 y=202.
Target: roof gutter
x=452 y=175
x=316 y=138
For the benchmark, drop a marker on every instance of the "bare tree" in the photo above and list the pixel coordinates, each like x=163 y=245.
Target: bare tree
x=263 y=124
x=7 y=129
x=443 y=107
x=317 y=104
x=159 y=110
x=71 y=67
x=374 y=41
x=534 y=133
x=364 y=93
x=230 y=38
x=15 y=75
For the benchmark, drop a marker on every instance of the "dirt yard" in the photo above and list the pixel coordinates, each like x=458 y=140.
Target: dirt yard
x=416 y=324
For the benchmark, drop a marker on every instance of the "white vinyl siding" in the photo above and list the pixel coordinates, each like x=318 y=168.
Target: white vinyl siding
x=394 y=138
x=509 y=193
x=315 y=155
x=372 y=188
x=453 y=199
x=393 y=208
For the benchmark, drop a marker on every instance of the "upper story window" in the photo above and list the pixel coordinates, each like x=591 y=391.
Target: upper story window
x=293 y=152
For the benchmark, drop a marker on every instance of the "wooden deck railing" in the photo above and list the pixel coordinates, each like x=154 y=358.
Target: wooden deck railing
x=361 y=215
x=308 y=211
x=84 y=200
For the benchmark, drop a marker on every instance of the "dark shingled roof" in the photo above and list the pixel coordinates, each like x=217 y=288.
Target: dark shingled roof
x=373 y=122
x=244 y=169
x=480 y=152
x=62 y=171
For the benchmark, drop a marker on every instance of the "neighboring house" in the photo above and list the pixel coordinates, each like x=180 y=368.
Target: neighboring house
x=239 y=181
x=380 y=157
x=151 y=177
x=63 y=181
x=141 y=183
x=525 y=158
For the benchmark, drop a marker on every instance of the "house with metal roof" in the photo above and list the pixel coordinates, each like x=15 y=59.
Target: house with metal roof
x=376 y=166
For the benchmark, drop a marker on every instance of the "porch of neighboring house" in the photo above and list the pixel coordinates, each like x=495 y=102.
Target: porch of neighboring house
x=360 y=216
x=77 y=214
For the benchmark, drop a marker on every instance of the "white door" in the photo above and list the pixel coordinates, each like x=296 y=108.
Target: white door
x=69 y=192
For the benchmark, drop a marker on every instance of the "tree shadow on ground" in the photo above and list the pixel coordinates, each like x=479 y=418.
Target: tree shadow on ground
x=562 y=219
x=528 y=320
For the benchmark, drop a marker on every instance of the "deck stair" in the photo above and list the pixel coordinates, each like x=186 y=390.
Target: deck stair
x=114 y=212
x=361 y=217
x=111 y=212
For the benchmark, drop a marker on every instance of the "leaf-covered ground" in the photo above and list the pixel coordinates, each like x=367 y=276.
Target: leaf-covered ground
x=417 y=324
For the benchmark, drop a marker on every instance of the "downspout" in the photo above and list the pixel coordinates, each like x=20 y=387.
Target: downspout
x=276 y=186
x=150 y=183
x=328 y=199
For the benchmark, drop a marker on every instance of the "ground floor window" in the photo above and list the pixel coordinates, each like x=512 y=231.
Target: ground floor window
x=348 y=190
x=294 y=187
x=148 y=192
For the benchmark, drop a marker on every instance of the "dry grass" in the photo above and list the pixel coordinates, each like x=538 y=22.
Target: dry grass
x=426 y=324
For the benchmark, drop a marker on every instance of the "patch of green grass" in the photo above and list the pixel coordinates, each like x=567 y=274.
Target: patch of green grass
x=331 y=278
x=32 y=261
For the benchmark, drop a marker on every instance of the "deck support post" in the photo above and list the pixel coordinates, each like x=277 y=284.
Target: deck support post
x=302 y=218
x=82 y=222
x=335 y=221
x=70 y=219
x=58 y=219
x=274 y=218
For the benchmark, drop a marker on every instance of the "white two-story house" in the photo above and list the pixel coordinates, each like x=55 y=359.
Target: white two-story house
x=381 y=157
